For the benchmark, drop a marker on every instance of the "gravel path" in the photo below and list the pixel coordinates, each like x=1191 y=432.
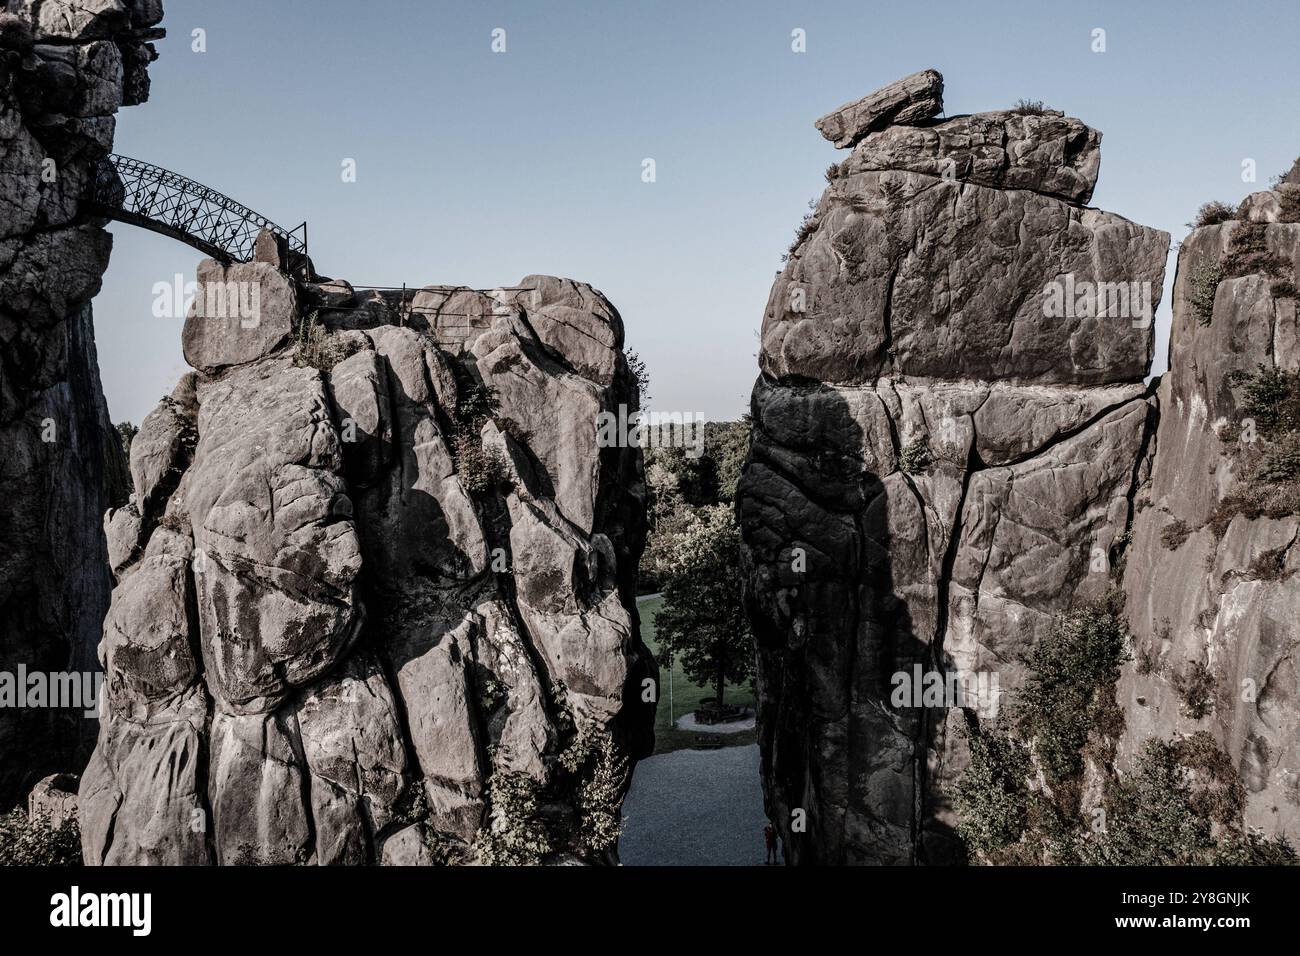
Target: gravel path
x=695 y=808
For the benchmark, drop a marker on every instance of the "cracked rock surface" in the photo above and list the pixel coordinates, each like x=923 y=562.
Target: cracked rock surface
x=1224 y=599
x=65 y=69
x=937 y=466
x=347 y=609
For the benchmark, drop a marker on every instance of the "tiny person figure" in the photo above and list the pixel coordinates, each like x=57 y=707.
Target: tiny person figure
x=769 y=838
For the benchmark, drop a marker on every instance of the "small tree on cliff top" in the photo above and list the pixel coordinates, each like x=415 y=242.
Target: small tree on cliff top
x=702 y=622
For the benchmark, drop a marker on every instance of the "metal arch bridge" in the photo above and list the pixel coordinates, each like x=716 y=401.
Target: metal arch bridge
x=141 y=194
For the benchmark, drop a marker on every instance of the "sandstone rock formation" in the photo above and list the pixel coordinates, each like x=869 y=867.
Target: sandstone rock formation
x=1213 y=600
x=375 y=586
x=909 y=100
x=950 y=429
x=65 y=68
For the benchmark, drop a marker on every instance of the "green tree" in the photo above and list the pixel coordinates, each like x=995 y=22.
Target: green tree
x=727 y=445
x=702 y=622
x=127 y=431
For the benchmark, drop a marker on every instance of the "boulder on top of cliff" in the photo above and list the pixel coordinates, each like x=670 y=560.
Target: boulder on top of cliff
x=241 y=312
x=1046 y=152
x=909 y=100
x=1263 y=206
x=903 y=273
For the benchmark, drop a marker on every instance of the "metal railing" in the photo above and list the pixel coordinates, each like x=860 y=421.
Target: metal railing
x=139 y=193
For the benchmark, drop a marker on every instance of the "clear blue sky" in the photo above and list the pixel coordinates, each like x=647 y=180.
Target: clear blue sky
x=479 y=168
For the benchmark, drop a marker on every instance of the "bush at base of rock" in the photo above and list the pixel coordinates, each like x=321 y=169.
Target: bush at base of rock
x=35 y=842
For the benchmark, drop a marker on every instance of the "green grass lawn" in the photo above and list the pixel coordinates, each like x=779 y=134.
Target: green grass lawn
x=686 y=696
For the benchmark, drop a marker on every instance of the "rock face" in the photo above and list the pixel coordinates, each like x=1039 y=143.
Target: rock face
x=909 y=100
x=65 y=68
x=376 y=581
x=949 y=431
x=54 y=798
x=1213 y=598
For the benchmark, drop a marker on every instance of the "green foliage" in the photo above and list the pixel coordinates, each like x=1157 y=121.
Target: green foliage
x=1269 y=565
x=1206 y=277
x=1272 y=398
x=1181 y=805
x=1174 y=534
x=702 y=623
x=516 y=834
x=1281 y=461
x=126 y=431
x=602 y=771
x=1254 y=500
x=491 y=692
x=1194 y=685
x=1025 y=107
x=1252 y=848
x=678 y=695
x=480 y=469
x=25 y=842
x=1070 y=689
x=317 y=347
x=915 y=456
x=807 y=226
x=640 y=377
x=1269 y=466
x=476 y=403
x=727 y=446
x=1212 y=213
x=676 y=478
x=992 y=797
x=1288 y=196
x=678 y=484
x=1150 y=820
x=1248 y=253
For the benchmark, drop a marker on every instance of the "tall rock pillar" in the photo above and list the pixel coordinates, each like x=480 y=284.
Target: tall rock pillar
x=949 y=427
x=65 y=69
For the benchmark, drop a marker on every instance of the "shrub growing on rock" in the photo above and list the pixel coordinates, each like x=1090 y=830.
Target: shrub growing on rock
x=1248 y=253
x=516 y=833
x=992 y=797
x=1030 y=108
x=603 y=772
x=1182 y=803
x=1194 y=685
x=1288 y=197
x=317 y=347
x=1069 y=692
x=1212 y=213
x=1269 y=466
x=1174 y=534
x=915 y=456
x=1206 y=277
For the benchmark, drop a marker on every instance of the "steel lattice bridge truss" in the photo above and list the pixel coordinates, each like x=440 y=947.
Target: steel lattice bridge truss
x=161 y=201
